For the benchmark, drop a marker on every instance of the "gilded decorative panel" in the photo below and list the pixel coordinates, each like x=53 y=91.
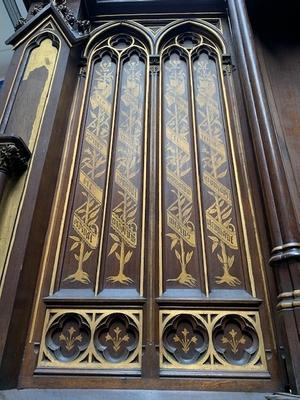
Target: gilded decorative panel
x=210 y=340
x=84 y=229
x=180 y=222
x=217 y=194
x=92 y=339
x=124 y=254
x=200 y=219
x=102 y=247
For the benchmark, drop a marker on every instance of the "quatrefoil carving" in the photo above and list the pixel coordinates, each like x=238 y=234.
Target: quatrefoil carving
x=235 y=340
x=68 y=337
x=185 y=338
x=116 y=338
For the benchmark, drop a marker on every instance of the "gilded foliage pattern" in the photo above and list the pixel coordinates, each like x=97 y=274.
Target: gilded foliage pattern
x=124 y=220
x=178 y=169
x=219 y=215
x=93 y=169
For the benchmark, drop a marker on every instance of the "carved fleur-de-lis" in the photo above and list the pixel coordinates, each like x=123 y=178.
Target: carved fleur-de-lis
x=184 y=340
x=233 y=341
x=117 y=339
x=70 y=339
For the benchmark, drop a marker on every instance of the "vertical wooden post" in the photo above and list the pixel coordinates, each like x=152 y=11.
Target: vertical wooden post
x=280 y=212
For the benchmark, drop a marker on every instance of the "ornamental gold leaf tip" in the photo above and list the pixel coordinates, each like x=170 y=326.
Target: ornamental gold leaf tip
x=184 y=340
x=70 y=339
x=117 y=339
x=233 y=341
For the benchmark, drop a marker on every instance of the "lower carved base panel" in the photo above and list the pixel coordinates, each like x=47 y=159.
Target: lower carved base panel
x=91 y=339
x=211 y=342
x=191 y=342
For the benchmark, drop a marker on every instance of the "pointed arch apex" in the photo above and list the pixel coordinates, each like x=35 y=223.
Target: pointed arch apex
x=112 y=27
x=200 y=26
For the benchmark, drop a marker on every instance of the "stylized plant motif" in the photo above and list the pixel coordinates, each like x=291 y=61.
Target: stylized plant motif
x=233 y=340
x=214 y=163
x=117 y=339
x=178 y=166
x=127 y=168
x=70 y=339
x=184 y=340
x=92 y=168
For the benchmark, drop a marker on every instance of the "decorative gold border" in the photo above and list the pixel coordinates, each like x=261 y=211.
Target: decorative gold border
x=209 y=319
x=90 y=358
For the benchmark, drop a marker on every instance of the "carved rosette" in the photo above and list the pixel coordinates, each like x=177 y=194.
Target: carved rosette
x=116 y=338
x=14 y=155
x=92 y=339
x=209 y=340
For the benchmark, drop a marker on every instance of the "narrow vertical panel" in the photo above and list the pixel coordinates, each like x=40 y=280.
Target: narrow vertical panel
x=222 y=241
x=26 y=115
x=123 y=255
x=83 y=230
x=25 y=120
x=181 y=263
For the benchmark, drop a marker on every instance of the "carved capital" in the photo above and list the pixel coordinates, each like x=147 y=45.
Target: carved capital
x=14 y=155
x=227 y=65
x=154 y=64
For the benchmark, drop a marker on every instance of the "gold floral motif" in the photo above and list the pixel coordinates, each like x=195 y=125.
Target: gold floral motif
x=117 y=339
x=92 y=167
x=128 y=159
x=214 y=163
x=233 y=341
x=184 y=340
x=70 y=339
x=179 y=168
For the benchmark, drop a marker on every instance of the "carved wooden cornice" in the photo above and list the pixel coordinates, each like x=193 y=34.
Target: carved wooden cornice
x=81 y=26
x=74 y=29
x=14 y=155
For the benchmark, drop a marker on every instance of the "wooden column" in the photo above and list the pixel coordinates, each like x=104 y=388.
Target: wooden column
x=280 y=212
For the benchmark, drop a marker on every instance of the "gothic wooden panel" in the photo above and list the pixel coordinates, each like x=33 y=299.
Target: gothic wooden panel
x=23 y=117
x=92 y=339
x=218 y=198
x=201 y=221
x=84 y=229
x=181 y=261
x=111 y=303
x=124 y=257
x=103 y=246
x=210 y=340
